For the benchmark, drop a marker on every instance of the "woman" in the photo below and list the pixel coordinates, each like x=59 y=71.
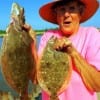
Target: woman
x=83 y=45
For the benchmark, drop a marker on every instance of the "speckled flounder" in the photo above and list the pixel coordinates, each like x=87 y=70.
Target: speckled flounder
x=18 y=61
x=54 y=70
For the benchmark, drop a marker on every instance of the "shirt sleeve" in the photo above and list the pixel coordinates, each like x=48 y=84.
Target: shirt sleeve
x=93 y=52
x=44 y=39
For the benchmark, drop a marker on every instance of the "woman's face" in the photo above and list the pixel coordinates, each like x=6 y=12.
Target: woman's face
x=68 y=18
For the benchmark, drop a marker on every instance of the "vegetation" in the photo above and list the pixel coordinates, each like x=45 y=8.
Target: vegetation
x=2 y=32
x=38 y=32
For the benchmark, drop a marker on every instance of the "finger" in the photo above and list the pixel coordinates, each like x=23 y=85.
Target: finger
x=68 y=42
x=26 y=27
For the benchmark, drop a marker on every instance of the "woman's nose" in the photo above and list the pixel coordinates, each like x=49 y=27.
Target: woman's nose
x=66 y=14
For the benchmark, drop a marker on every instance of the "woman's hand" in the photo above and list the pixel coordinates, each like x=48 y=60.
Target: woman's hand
x=26 y=27
x=63 y=44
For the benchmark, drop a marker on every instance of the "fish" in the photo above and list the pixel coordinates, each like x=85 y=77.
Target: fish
x=18 y=54
x=54 y=70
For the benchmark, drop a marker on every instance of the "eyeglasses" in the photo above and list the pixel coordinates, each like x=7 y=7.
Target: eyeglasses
x=63 y=9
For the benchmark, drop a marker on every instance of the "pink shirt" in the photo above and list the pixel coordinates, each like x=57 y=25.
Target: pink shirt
x=87 y=42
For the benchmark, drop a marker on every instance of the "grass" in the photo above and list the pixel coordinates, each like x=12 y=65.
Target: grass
x=2 y=33
x=38 y=32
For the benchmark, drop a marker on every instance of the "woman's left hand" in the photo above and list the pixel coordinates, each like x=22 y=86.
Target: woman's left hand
x=63 y=44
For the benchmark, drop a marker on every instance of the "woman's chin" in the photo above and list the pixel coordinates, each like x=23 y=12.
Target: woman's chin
x=67 y=32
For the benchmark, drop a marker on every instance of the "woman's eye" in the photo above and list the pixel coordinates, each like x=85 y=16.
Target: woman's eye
x=62 y=9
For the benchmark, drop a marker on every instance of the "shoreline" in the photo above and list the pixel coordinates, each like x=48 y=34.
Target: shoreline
x=37 y=33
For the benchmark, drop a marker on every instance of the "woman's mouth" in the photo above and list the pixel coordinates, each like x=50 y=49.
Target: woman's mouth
x=67 y=23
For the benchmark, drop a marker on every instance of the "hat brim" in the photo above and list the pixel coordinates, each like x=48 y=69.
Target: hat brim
x=47 y=14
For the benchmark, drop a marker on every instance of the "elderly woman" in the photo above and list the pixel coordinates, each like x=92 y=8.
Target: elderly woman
x=83 y=45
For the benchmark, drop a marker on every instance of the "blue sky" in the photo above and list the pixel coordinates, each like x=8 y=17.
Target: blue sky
x=32 y=16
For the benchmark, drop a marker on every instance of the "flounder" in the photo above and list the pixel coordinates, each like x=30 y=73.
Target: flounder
x=54 y=70
x=18 y=53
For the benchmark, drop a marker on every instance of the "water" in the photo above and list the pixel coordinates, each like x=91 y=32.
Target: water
x=3 y=85
x=0 y=41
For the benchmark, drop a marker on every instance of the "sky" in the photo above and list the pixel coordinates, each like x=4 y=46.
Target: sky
x=32 y=17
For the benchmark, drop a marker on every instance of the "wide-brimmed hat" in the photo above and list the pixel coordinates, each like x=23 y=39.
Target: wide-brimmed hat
x=47 y=14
